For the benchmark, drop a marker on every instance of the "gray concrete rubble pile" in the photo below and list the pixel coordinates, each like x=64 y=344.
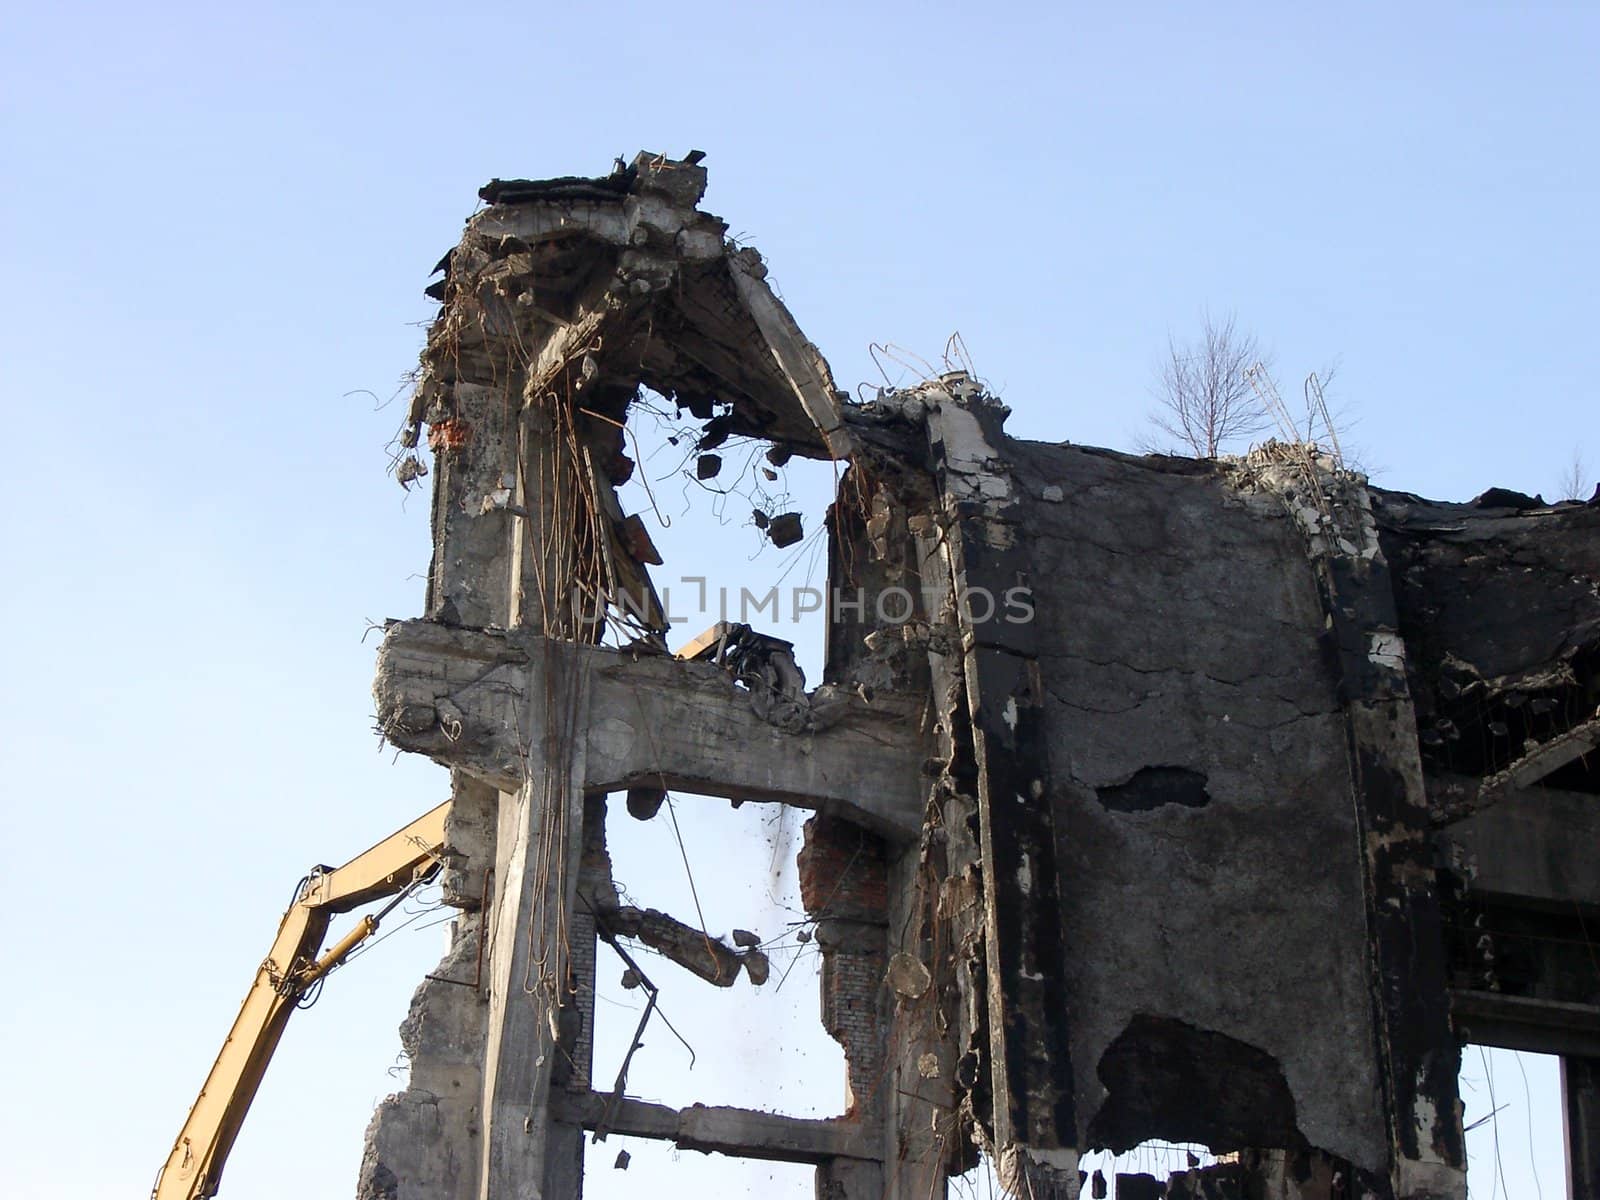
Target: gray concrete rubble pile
x=1204 y=801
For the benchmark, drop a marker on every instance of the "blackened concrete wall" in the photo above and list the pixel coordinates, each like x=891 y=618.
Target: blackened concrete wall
x=1201 y=794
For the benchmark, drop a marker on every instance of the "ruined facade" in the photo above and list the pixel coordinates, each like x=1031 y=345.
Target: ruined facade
x=1205 y=801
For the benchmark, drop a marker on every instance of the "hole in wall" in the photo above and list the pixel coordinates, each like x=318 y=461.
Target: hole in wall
x=661 y=1169
x=1152 y=787
x=1189 y=1084
x=708 y=502
x=753 y=1047
x=982 y=1182
x=1131 y=1174
x=738 y=523
x=1512 y=1113
x=1154 y=1160
x=1466 y=729
x=738 y=526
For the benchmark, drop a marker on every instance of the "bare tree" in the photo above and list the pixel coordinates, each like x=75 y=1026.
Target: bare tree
x=1203 y=399
x=1576 y=483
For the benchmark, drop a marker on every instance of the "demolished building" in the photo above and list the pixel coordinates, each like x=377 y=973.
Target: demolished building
x=1217 y=802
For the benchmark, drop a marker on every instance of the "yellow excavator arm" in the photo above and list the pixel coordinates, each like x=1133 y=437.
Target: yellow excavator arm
x=392 y=868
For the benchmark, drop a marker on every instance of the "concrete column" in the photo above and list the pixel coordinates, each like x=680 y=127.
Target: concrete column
x=919 y=1102
x=573 y=1067
x=563 y=1162
x=1030 y=1048
x=850 y=1179
x=1419 y=1056
x=540 y=847
x=1580 y=1090
x=476 y=459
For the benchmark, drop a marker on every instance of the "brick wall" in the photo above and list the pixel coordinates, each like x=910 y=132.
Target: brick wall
x=844 y=872
x=581 y=942
x=844 y=883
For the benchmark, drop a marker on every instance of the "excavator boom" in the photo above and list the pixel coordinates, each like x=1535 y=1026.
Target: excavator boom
x=392 y=867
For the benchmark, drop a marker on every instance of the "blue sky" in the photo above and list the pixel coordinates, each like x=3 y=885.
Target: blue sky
x=217 y=223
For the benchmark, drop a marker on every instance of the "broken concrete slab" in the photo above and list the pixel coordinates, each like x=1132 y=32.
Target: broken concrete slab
x=722 y=1130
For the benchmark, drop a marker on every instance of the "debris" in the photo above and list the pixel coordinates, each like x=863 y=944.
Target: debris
x=928 y=1065
x=1139 y=1186
x=757 y=967
x=765 y=666
x=744 y=938
x=1498 y=497
x=686 y=945
x=715 y=433
x=566 y=188
x=620 y=469
x=700 y=405
x=630 y=979
x=623 y=1159
x=636 y=538
x=499 y=500
x=908 y=977
x=410 y=470
x=707 y=466
x=645 y=802
x=785 y=529
x=779 y=455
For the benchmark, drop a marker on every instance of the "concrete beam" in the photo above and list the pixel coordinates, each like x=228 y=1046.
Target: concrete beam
x=1549 y=757
x=742 y=1133
x=796 y=359
x=1526 y=1023
x=1420 y=1057
x=692 y=949
x=1580 y=1088
x=462 y=697
x=1453 y=796
x=1537 y=843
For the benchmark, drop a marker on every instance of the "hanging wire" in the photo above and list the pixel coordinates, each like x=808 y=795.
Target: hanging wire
x=1527 y=1095
x=1499 y=1176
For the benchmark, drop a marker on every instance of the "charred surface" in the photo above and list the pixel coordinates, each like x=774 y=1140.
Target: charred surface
x=1166 y=1079
x=1180 y=799
x=1033 y=1101
x=1181 y=630
x=1500 y=610
x=1151 y=787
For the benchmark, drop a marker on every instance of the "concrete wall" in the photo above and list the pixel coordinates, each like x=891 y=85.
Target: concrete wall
x=1208 y=851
